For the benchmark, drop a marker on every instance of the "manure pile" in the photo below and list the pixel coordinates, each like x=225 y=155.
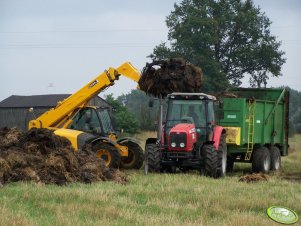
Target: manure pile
x=254 y=177
x=41 y=156
x=173 y=75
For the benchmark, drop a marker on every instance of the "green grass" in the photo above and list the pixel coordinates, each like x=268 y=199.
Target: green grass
x=156 y=199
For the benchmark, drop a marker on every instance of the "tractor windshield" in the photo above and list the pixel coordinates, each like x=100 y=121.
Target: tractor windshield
x=190 y=111
x=186 y=111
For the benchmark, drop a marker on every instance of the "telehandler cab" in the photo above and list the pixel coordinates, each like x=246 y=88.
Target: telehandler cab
x=86 y=125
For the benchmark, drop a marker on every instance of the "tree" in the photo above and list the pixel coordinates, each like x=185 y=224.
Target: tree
x=122 y=118
x=228 y=39
x=137 y=103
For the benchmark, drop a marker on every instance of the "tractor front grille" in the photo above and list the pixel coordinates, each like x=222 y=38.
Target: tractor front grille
x=176 y=140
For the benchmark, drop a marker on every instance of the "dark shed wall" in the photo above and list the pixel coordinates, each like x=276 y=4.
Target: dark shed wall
x=20 y=116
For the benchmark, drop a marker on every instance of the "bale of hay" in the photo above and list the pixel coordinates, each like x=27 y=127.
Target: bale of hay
x=173 y=75
x=41 y=156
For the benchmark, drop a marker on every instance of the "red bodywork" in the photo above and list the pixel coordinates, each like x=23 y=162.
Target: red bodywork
x=191 y=136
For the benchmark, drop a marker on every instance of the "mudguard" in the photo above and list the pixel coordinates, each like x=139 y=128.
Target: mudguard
x=127 y=139
x=217 y=133
x=106 y=139
x=151 y=141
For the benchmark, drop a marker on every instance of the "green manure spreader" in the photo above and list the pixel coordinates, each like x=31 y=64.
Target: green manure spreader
x=256 y=124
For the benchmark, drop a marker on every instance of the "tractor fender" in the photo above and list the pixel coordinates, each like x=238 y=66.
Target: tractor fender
x=217 y=133
x=128 y=139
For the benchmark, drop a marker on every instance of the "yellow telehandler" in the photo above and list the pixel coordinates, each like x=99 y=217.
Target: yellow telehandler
x=86 y=125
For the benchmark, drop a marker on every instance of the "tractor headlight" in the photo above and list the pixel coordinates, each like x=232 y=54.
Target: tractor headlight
x=173 y=144
x=182 y=145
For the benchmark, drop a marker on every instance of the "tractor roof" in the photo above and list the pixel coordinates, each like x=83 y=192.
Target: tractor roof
x=190 y=96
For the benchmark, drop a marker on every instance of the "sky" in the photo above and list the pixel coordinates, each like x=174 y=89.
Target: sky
x=58 y=46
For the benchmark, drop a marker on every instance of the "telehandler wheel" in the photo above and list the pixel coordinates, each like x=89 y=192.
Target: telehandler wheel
x=261 y=160
x=275 y=158
x=153 y=157
x=222 y=157
x=135 y=157
x=209 y=160
x=108 y=153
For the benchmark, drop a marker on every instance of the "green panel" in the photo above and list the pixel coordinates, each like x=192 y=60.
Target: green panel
x=234 y=113
x=266 y=131
x=270 y=117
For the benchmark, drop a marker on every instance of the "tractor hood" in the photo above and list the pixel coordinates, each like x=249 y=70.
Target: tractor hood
x=182 y=137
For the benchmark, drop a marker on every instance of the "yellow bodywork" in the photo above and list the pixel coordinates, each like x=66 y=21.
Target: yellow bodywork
x=71 y=135
x=123 y=150
x=233 y=135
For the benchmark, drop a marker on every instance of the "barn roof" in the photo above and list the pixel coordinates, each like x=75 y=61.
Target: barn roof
x=49 y=100
x=15 y=101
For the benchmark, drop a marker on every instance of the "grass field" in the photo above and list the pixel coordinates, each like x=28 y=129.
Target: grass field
x=157 y=199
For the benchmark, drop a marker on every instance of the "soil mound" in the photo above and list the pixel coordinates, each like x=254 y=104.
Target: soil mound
x=173 y=75
x=254 y=177
x=41 y=156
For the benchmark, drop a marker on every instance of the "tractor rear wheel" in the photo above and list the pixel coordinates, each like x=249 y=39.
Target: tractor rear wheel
x=222 y=157
x=209 y=160
x=108 y=153
x=153 y=157
x=135 y=157
x=275 y=158
x=261 y=160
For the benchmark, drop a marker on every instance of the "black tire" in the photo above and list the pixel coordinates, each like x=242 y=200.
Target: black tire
x=275 y=158
x=209 y=160
x=135 y=157
x=153 y=157
x=108 y=153
x=261 y=160
x=222 y=157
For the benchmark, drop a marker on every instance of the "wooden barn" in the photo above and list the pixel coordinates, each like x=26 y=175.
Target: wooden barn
x=14 y=110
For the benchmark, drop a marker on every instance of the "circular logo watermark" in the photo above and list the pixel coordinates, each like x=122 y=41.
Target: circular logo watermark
x=282 y=215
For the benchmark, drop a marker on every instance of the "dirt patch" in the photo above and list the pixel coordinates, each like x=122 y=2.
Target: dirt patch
x=173 y=75
x=40 y=156
x=296 y=177
x=254 y=177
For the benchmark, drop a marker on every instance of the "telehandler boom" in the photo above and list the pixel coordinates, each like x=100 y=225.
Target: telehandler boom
x=86 y=125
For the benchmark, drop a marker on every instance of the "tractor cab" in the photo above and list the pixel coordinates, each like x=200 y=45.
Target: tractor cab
x=189 y=121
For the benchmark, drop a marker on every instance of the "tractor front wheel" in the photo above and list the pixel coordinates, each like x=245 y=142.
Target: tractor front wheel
x=109 y=154
x=209 y=160
x=153 y=157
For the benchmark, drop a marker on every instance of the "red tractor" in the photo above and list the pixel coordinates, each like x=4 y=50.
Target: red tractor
x=189 y=138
